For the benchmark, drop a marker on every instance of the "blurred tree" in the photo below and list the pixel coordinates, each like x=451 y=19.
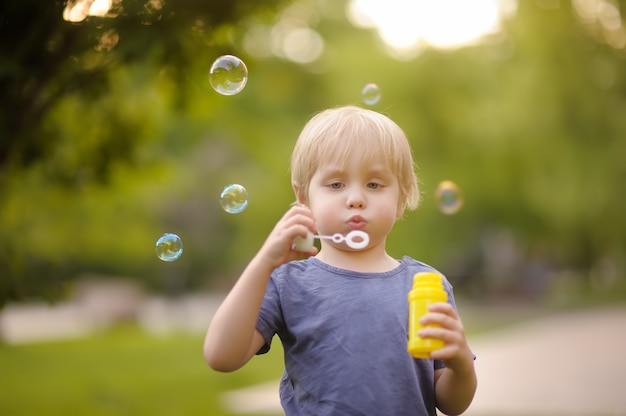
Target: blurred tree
x=531 y=127
x=52 y=49
x=109 y=132
x=84 y=84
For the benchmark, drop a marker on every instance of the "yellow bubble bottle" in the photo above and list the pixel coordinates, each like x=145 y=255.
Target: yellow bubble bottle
x=427 y=289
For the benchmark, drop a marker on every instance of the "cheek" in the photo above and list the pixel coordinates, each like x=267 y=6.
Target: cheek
x=321 y=212
x=391 y=213
x=324 y=215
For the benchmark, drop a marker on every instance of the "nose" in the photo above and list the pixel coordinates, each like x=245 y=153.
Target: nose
x=355 y=199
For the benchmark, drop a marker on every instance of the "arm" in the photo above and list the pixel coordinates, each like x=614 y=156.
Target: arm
x=232 y=339
x=455 y=384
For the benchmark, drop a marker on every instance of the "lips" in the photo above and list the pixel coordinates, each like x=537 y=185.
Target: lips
x=357 y=222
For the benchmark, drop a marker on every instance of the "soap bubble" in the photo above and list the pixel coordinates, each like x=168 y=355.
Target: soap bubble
x=449 y=197
x=370 y=94
x=228 y=75
x=234 y=199
x=169 y=247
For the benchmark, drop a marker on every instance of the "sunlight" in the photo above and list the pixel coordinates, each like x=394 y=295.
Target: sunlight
x=406 y=25
x=603 y=20
x=78 y=10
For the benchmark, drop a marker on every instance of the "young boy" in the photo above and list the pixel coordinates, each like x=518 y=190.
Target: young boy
x=342 y=314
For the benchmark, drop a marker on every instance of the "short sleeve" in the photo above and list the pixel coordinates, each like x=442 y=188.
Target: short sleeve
x=270 y=315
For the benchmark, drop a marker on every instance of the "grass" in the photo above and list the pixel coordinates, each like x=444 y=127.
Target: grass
x=121 y=372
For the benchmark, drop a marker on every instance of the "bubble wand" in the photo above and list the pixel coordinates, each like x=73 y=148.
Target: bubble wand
x=355 y=239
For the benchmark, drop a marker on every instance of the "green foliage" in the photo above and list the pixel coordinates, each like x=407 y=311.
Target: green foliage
x=44 y=58
x=529 y=124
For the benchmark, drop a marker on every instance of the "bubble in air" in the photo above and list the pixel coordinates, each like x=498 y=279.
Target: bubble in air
x=449 y=197
x=234 y=199
x=169 y=247
x=228 y=75
x=370 y=94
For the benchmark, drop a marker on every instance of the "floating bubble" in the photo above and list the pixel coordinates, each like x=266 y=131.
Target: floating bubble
x=169 y=247
x=234 y=199
x=228 y=75
x=370 y=94
x=449 y=197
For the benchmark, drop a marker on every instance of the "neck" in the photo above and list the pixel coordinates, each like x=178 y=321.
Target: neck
x=373 y=259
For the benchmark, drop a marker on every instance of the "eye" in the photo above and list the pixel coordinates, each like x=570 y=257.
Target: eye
x=373 y=185
x=335 y=185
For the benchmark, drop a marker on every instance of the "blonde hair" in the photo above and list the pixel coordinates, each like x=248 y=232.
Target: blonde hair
x=333 y=135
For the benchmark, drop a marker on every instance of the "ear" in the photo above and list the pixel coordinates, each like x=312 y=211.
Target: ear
x=300 y=197
x=400 y=210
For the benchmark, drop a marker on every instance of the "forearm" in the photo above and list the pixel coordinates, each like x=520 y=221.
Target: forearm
x=232 y=339
x=455 y=388
x=230 y=334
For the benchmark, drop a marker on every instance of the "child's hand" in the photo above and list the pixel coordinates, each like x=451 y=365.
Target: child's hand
x=456 y=352
x=277 y=249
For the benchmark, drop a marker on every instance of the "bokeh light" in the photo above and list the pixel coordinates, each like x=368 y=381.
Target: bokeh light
x=234 y=199
x=169 y=247
x=78 y=10
x=405 y=26
x=228 y=75
x=449 y=197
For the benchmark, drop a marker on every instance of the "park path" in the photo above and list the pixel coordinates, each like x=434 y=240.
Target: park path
x=566 y=364
x=570 y=364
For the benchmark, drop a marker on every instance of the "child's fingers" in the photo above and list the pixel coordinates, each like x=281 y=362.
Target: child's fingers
x=443 y=307
x=442 y=314
x=446 y=335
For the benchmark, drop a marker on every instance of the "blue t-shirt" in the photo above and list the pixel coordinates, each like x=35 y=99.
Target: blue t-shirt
x=344 y=336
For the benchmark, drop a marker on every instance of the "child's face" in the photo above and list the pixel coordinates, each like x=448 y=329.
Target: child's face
x=355 y=196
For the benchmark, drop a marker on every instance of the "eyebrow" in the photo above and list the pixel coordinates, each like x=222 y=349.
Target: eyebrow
x=378 y=170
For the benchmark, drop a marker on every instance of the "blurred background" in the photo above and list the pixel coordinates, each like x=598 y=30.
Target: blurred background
x=111 y=135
